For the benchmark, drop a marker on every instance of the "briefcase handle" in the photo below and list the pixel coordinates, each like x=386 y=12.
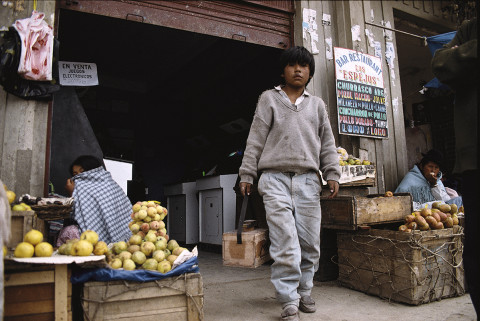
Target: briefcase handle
x=242 y=218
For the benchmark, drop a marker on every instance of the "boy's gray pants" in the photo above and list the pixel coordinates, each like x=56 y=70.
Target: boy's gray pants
x=292 y=206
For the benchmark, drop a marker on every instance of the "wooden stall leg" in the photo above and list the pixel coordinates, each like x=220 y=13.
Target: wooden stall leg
x=61 y=286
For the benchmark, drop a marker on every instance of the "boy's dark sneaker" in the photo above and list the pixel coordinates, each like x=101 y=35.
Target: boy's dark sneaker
x=290 y=313
x=307 y=305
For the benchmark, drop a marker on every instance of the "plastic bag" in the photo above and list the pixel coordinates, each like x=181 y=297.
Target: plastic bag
x=342 y=153
x=37 y=47
x=12 y=82
x=108 y=274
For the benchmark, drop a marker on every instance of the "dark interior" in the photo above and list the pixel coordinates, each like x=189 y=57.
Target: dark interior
x=428 y=116
x=175 y=103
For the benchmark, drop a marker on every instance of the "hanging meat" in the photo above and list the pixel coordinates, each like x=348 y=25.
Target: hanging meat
x=37 y=47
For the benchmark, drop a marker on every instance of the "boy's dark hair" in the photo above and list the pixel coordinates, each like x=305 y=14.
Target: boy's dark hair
x=297 y=54
x=87 y=162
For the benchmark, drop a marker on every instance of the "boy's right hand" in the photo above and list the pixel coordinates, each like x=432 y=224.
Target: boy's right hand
x=245 y=188
x=334 y=187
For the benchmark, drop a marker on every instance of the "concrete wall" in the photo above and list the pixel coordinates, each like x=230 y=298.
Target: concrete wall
x=23 y=123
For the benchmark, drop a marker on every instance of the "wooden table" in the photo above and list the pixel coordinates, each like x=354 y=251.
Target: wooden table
x=37 y=292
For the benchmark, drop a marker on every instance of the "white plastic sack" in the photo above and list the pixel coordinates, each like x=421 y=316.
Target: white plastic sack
x=184 y=256
x=37 y=47
x=342 y=153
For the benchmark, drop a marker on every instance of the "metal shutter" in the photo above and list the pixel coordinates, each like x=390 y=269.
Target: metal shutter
x=267 y=23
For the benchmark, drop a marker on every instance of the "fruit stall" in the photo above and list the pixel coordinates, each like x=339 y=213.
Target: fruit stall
x=113 y=279
x=414 y=267
x=378 y=244
x=384 y=248
x=355 y=171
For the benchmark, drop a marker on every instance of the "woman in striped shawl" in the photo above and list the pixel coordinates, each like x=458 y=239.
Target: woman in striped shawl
x=99 y=202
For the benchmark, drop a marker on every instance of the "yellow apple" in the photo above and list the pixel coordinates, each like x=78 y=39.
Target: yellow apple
x=100 y=248
x=164 y=266
x=82 y=248
x=24 y=250
x=43 y=249
x=33 y=237
x=90 y=236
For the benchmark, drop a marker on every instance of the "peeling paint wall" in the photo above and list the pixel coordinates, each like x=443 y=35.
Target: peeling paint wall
x=344 y=24
x=23 y=123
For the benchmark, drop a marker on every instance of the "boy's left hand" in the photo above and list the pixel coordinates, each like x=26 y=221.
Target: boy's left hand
x=333 y=186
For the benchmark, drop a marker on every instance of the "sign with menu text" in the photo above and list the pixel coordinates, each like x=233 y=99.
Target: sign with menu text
x=360 y=94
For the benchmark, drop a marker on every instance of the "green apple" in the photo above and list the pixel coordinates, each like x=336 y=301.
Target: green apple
x=164 y=267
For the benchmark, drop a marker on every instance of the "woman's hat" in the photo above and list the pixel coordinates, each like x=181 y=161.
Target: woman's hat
x=433 y=155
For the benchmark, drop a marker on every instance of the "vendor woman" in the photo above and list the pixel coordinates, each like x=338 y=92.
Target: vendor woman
x=99 y=202
x=424 y=182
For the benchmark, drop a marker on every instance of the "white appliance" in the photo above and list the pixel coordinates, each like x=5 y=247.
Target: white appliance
x=217 y=207
x=182 y=218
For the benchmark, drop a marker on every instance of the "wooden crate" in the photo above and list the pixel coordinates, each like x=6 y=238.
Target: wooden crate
x=37 y=292
x=253 y=251
x=22 y=222
x=412 y=268
x=175 y=298
x=350 y=212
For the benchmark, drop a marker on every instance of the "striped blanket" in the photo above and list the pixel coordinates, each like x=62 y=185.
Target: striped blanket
x=101 y=205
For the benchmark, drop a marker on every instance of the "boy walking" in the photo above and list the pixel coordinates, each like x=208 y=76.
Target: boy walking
x=289 y=141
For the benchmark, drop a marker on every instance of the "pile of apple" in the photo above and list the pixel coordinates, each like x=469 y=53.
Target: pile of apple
x=149 y=247
x=15 y=205
x=354 y=161
x=85 y=246
x=438 y=217
x=148 y=216
x=344 y=159
x=33 y=245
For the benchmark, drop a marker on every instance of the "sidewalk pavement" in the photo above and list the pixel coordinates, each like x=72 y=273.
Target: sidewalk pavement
x=244 y=294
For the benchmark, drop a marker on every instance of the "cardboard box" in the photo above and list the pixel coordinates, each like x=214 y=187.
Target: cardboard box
x=253 y=251
x=37 y=292
x=350 y=212
x=175 y=298
x=22 y=222
x=362 y=174
x=413 y=268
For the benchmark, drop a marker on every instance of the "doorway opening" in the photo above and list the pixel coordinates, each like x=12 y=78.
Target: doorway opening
x=428 y=113
x=176 y=104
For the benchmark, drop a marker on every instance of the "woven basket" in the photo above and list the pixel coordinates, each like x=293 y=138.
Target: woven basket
x=52 y=211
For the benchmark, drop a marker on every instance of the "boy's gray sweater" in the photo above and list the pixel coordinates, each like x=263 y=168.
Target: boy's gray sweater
x=285 y=138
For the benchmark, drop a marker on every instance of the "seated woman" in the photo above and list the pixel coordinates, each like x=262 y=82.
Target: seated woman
x=424 y=182
x=99 y=202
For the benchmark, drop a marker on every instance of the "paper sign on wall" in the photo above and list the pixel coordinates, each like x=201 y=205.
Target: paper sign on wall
x=77 y=73
x=309 y=25
x=360 y=94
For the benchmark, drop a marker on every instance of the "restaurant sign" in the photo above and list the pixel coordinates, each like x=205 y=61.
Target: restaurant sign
x=360 y=94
